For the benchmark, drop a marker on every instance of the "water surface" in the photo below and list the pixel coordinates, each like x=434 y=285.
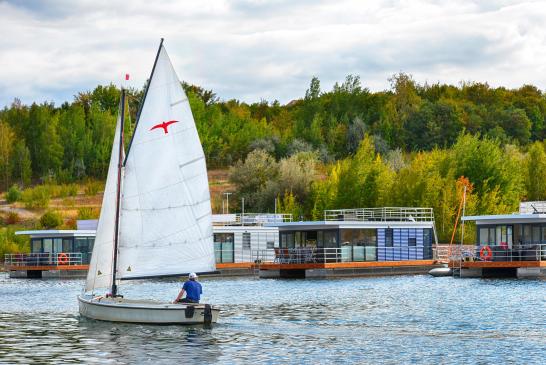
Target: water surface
x=406 y=319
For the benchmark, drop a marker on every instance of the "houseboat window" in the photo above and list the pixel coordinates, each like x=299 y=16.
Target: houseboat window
x=270 y=245
x=48 y=245
x=346 y=237
x=298 y=238
x=388 y=237
x=223 y=247
x=67 y=244
x=536 y=234
x=311 y=239
x=427 y=237
x=527 y=233
x=412 y=241
x=246 y=240
x=80 y=244
x=501 y=235
x=484 y=236
x=287 y=240
x=57 y=245
x=330 y=239
x=517 y=233
x=320 y=239
x=543 y=234
x=359 y=237
x=491 y=236
x=36 y=245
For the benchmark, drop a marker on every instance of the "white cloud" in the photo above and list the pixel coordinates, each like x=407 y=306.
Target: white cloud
x=266 y=49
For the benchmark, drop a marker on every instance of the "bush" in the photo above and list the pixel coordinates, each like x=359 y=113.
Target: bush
x=68 y=190
x=37 y=197
x=51 y=219
x=13 y=218
x=10 y=243
x=88 y=213
x=13 y=194
x=92 y=188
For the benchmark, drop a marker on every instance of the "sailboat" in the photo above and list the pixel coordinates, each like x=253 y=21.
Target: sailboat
x=156 y=218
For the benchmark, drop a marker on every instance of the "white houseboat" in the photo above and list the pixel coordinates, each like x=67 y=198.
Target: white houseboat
x=54 y=253
x=512 y=245
x=356 y=242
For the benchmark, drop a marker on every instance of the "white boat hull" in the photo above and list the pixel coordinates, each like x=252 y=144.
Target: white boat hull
x=144 y=311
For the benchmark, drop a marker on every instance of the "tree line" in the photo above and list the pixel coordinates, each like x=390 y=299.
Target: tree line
x=72 y=141
x=412 y=145
x=496 y=176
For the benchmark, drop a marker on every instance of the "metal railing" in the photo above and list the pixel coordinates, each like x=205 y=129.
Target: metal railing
x=251 y=219
x=232 y=256
x=525 y=252
x=351 y=254
x=385 y=214
x=447 y=252
x=43 y=259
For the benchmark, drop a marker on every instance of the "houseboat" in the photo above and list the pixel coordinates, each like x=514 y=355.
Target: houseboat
x=240 y=241
x=54 y=253
x=507 y=245
x=363 y=241
x=243 y=241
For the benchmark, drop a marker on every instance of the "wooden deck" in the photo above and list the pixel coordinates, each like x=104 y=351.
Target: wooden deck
x=46 y=267
x=278 y=266
x=236 y=265
x=346 y=265
x=498 y=264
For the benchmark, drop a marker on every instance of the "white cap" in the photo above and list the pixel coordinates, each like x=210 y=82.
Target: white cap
x=192 y=275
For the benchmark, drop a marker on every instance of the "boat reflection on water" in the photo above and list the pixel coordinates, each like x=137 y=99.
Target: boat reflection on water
x=138 y=344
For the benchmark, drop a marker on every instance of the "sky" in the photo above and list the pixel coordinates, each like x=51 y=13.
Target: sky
x=256 y=50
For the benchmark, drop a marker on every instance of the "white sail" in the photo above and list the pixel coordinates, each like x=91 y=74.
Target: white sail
x=166 y=220
x=100 y=267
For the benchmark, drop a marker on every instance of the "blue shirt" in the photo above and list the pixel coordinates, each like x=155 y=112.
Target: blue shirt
x=193 y=290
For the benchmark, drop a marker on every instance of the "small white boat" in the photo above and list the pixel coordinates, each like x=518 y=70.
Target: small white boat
x=145 y=311
x=156 y=218
x=441 y=271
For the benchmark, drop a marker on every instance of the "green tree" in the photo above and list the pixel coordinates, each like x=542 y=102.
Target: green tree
x=21 y=164
x=536 y=172
x=251 y=176
x=7 y=137
x=51 y=219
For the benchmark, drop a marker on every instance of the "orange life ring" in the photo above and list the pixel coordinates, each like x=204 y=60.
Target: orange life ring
x=486 y=253
x=62 y=258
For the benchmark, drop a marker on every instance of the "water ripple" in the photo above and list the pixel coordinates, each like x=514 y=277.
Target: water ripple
x=410 y=319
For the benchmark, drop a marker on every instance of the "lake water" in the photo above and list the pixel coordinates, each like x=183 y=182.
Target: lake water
x=405 y=319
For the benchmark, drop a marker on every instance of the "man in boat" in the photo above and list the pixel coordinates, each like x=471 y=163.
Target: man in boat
x=193 y=291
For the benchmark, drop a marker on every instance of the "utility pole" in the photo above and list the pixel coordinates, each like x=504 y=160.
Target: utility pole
x=243 y=215
x=227 y=194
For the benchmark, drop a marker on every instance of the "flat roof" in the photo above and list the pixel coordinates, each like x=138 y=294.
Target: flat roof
x=58 y=232
x=507 y=218
x=310 y=225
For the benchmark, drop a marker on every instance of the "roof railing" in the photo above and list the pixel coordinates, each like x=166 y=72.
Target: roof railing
x=385 y=214
x=250 y=219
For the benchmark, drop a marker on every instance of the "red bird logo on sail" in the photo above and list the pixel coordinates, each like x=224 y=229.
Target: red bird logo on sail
x=164 y=125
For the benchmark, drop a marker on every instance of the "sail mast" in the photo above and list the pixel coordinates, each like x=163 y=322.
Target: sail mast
x=118 y=195
x=142 y=101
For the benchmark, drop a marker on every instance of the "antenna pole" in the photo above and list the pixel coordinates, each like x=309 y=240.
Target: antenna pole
x=143 y=100
x=118 y=196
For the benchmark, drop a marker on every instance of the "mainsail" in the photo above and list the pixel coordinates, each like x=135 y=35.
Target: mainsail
x=166 y=219
x=100 y=267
